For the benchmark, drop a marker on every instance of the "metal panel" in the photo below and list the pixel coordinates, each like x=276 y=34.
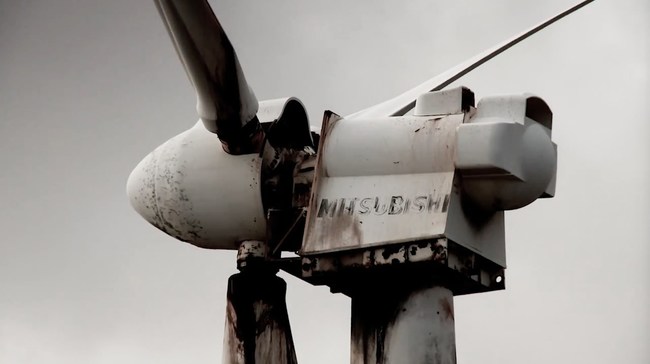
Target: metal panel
x=374 y=200
x=353 y=212
x=390 y=146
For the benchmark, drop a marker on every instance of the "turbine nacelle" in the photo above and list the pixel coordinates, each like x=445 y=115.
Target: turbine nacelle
x=445 y=173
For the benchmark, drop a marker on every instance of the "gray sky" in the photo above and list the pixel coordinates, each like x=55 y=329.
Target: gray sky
x=88 y=88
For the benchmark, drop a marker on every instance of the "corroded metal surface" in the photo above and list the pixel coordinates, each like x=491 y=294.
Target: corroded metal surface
x=194 y=191
x=251 y=252
x=434 y=251
x=389 y=192
x=438 y=260
x=395 y=325
x=257 y=325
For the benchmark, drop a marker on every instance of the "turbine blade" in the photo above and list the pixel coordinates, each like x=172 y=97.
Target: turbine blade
x=225 y=103
x=403 y=103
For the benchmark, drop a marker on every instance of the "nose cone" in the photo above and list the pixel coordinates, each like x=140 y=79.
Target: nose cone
x=140 y=188
x=195 y=192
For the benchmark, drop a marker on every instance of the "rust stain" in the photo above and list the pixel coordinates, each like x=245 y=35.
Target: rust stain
x=233 y=346
x=168 y=204
x=340 y=231
x=448 y=308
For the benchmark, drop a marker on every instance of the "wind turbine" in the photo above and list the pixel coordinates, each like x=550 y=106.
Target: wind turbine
x=399 y=206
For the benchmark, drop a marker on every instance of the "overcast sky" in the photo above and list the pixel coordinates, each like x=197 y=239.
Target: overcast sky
x=88 y=88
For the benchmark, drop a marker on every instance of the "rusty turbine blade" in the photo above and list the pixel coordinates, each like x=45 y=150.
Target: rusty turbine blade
x=225 y=103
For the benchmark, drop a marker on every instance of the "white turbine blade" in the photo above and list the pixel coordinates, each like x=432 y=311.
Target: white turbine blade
x=225 y=103
x=401 y=104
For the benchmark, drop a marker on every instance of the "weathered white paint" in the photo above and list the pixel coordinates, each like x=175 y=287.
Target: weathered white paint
x=505 y=152
x=194 y=191
x=270 y=110
x=390 y=146
x=445 y=102
x=381 y=181
x=393 y=326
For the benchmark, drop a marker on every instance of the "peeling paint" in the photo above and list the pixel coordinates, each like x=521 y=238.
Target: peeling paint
x=398 y=325
x=257 y=329
x=183 y=189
